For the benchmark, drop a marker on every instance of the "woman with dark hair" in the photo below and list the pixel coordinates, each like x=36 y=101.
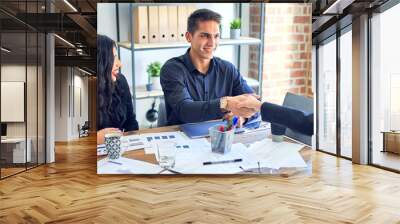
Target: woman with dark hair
x=114 y=100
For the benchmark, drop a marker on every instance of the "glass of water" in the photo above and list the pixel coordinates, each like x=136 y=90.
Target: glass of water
x=166 y=152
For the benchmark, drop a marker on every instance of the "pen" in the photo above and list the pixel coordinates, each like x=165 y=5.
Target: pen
x=223 y=161
x=114 y=162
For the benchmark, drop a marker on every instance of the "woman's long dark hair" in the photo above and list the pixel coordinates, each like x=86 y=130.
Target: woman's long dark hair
x=109 y=104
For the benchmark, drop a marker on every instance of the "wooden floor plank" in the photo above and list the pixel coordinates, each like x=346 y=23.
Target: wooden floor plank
x=70 y=191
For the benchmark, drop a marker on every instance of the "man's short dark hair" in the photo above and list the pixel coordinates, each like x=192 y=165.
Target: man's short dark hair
x=201 y=15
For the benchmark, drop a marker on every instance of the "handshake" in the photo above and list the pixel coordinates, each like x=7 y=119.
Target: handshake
x=245 y=105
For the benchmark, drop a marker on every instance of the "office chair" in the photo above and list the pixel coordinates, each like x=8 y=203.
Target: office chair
x=162 y=114
x=84 y=130
x=302 y=103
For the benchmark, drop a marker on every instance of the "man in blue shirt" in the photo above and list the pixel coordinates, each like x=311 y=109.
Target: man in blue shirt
x=198 y=86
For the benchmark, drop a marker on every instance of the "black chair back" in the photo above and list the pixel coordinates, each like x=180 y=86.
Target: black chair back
x=302 y=103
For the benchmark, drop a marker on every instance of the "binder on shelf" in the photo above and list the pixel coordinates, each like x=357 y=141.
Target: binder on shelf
x=163 y=23
x=172 y=23
x=153 y=25
x=190 y=9
x=140 y=24
x=182 y=23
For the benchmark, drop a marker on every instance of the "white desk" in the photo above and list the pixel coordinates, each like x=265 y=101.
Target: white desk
x=18 y=150
x=141 y=162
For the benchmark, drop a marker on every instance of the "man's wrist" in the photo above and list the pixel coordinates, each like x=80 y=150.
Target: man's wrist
x=224 y=101
x=259 y=105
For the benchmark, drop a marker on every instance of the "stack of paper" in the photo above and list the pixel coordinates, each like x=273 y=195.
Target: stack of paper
x=191 y=161
x=276 y=154
x=126 y=166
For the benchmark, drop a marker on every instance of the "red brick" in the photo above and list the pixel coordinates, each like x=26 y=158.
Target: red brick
x=301 y=19
x=298 y=38
x=297 y=64
x=253 y=56
x=255 y=28
x=254 y=10
x=303 y=56
x=255 y=18
x=297 y=74
x=299 y=82
x=293 y=64
x=294 y=90
x=253 y=66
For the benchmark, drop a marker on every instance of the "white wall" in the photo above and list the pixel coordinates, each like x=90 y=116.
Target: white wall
x=68 y=83
x=106 y=20
x=33 y=126
x=12 y=73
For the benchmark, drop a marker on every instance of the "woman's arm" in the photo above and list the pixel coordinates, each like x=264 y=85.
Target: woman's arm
x=281 y=115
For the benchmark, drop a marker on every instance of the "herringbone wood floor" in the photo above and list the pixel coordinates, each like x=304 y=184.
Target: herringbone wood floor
x=70 y=191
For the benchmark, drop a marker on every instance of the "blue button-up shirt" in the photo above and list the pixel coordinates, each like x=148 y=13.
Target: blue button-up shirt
x=191 y=96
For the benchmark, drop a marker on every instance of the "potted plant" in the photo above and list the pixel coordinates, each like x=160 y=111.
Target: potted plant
x=153 y=70
x=235 y=28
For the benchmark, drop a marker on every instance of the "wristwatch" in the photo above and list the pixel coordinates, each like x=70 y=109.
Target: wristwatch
x=223 y=104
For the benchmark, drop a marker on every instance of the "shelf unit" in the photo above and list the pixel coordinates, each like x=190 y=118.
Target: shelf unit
x=140 y=93
x=159 y=46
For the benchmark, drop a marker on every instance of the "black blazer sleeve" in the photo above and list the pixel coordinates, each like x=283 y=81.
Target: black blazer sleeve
x=289 y=117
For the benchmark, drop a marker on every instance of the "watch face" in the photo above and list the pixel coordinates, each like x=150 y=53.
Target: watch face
x=223 y=103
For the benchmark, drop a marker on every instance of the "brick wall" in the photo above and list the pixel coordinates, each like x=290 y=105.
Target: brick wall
x=287 y=49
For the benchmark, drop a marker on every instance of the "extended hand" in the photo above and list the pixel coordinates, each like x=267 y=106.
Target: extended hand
x=250 y=102
x=241 y=111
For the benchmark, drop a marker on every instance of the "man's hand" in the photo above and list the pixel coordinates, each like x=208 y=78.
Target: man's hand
x=241 y=111
x=250 y=102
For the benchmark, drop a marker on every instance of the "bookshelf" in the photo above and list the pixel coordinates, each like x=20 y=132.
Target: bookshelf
x=159 y=46
x=141 y=93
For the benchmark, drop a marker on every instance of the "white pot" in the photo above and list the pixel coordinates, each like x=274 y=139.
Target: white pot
x=156 y=83
x=235 y=33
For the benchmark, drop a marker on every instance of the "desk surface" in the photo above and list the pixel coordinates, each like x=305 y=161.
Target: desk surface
x=305 y=152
